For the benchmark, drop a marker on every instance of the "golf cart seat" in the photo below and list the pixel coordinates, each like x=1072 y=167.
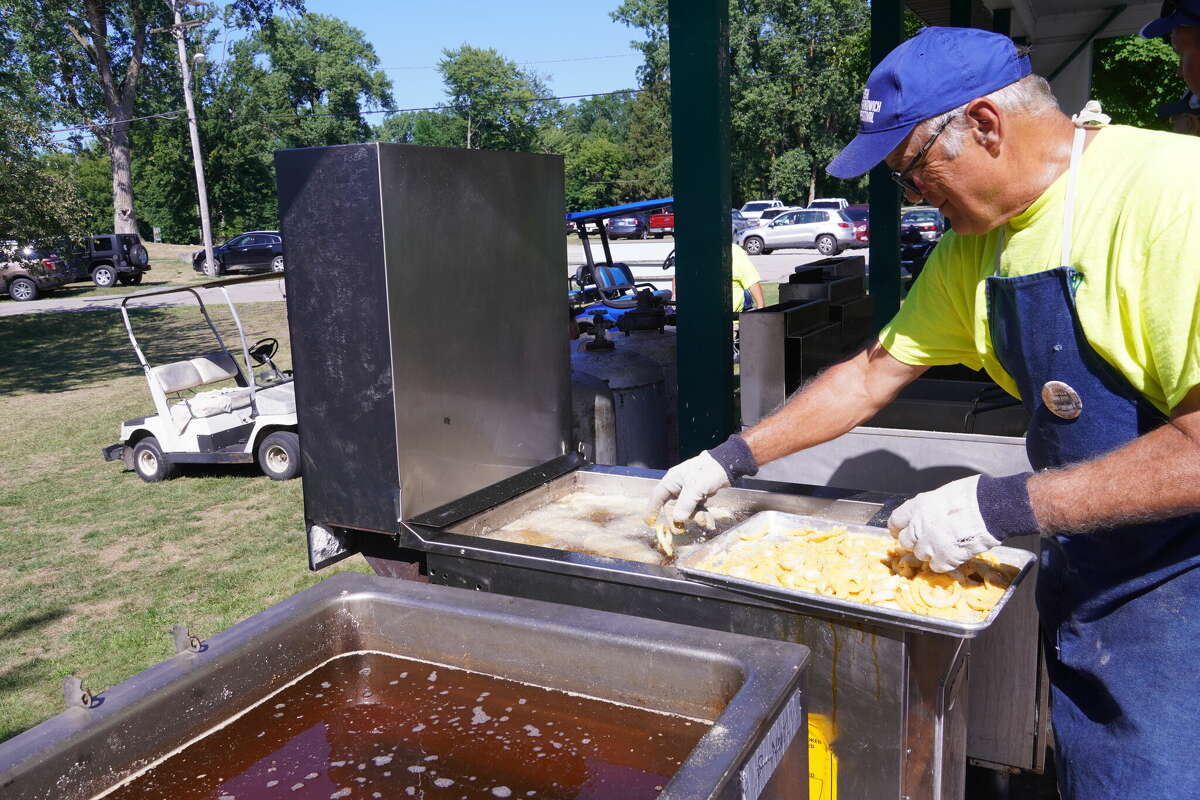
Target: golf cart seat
x=214 y=367
x=616 y=286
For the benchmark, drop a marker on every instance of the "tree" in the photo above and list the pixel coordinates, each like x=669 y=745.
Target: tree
x=303 y=82
x=88 y=171
x=647 y=171
x=88 y=61
x=497 y=104
x=26 y=183
x=429 y=128
x=1132 y=76
x=592 y=174
x=791 y=177
x=796 y=72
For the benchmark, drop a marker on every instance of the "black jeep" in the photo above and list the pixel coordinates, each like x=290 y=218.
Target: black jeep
x=109 y=258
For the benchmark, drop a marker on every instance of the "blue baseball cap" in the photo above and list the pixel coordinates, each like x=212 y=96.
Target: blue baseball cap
x=935 y=71
x=1173 y=14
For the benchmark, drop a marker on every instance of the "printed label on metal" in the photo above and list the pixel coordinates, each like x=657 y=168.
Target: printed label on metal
x=822 y=761
x=766 y=757
x=1063 y=401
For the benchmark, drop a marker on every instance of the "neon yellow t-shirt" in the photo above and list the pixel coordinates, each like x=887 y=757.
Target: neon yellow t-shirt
x=744 y=276
x=1136 y=241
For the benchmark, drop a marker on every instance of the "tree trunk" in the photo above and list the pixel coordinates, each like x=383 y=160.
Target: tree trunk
x=812 y=185
x=124 y=218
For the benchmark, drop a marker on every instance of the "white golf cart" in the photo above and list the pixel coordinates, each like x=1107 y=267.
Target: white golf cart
x=254 y=420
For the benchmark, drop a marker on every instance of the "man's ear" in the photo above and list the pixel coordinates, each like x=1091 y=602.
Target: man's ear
x=986 y=121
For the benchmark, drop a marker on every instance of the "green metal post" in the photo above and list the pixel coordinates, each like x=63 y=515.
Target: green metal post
x=699 y=36
x=887 y=28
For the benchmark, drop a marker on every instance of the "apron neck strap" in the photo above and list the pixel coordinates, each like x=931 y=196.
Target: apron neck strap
x=1069 y=205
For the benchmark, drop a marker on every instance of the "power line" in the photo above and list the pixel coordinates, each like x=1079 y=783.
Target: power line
x=529 y=63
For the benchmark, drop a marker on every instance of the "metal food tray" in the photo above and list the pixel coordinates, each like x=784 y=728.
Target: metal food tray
x=779 y=523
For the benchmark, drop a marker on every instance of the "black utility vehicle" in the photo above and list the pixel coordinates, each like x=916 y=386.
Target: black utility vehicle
x=250 y=251
x=110 y=258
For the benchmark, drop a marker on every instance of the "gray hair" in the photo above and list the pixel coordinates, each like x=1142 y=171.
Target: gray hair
x=1030 y=95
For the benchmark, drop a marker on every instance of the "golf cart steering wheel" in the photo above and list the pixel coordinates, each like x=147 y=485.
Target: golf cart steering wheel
x=264 y=350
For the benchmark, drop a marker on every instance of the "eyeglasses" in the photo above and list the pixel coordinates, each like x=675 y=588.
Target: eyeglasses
x=901 y=177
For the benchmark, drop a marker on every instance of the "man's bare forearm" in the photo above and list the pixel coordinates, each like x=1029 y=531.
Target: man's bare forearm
x=845 y=395
x=1156 y=476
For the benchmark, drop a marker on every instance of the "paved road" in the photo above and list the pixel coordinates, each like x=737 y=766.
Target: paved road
x=644 y=257
x=250 y=293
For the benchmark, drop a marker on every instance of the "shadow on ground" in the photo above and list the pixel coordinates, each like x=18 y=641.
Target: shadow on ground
x=88 y=290
x=59 y=352
x=32 y=621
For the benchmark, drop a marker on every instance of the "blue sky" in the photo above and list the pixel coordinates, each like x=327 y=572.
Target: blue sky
x=574 y=43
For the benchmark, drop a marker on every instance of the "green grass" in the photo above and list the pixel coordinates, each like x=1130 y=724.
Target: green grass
x=95 y=565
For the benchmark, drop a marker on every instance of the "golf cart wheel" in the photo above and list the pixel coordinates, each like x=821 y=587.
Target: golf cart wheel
x=279 y=455
x=150 y=463
x=22 y=289
x=753 y=245
x=827 y=245
x=104 y=276
x=277 y=264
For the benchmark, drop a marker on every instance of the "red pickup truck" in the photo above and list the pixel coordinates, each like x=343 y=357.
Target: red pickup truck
x=662 y=222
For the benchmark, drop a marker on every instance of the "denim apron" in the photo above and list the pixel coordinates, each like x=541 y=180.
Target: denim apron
x=1120 y=609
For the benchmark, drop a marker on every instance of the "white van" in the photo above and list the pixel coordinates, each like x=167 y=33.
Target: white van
x=754 y=209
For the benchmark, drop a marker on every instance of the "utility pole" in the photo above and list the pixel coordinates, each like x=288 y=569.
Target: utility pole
x=179 y=30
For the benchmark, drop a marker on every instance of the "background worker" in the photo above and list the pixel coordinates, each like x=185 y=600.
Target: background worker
x=747 y=286
x=1180 y=21
x=1071 y=277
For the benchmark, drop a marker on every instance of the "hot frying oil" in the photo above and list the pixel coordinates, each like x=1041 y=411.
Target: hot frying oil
x=371 y=725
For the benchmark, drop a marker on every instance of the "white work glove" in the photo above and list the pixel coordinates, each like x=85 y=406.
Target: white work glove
x=944 y=527
x=694 y=481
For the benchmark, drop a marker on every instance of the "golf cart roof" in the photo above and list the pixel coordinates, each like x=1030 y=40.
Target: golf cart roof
x=614 y=211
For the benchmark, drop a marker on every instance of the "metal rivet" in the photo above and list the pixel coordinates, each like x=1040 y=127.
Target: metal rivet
x=1058 y=348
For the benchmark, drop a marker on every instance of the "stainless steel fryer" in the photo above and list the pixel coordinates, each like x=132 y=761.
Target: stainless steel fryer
x=433 y=387
x=752 y=688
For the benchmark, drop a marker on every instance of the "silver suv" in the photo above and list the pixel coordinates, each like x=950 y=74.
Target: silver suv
x=828 y=230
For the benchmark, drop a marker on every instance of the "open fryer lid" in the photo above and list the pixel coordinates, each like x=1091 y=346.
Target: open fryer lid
x=428 y=321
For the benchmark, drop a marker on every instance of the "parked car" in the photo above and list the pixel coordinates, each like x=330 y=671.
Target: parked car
x=754 y=209
x=929 y=222
x=627 y=226
x=252 y=251
x=829 y=202
x=828 y=230
x=740 y=223
x=662 y=222
x=27 y=271
x=771 y=213
x=861 y=217
x=110 y=258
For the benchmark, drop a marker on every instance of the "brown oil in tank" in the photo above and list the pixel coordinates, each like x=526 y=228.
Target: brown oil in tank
x=371 y=725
